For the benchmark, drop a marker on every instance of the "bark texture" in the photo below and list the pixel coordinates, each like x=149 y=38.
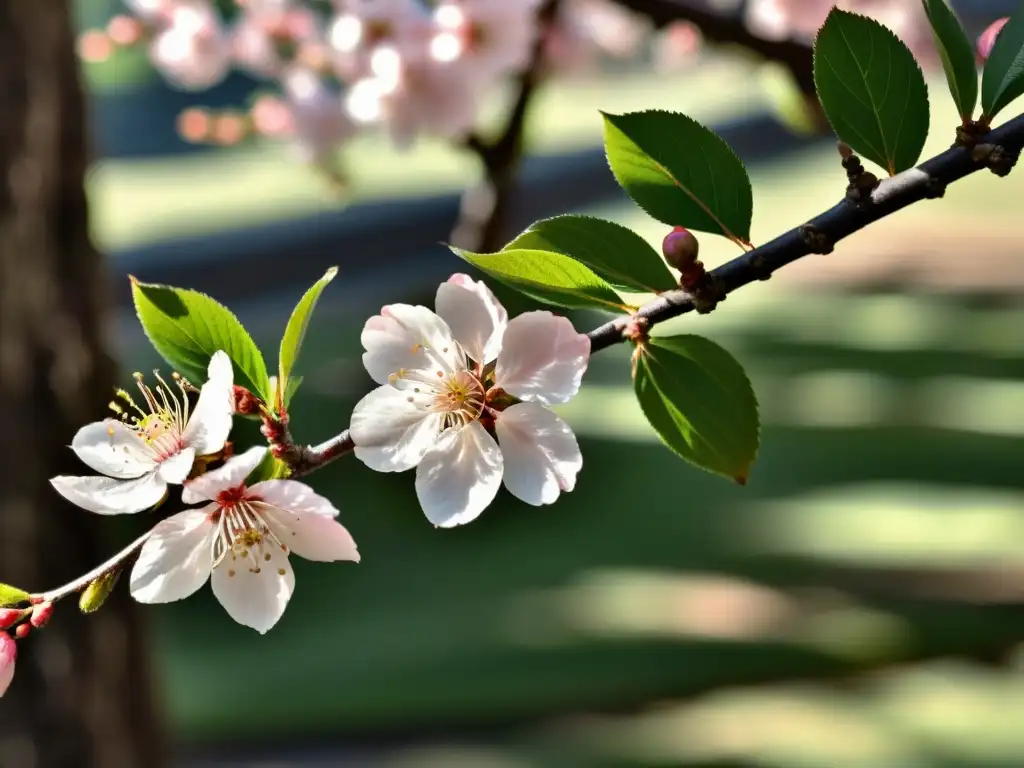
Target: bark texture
x=81 y=696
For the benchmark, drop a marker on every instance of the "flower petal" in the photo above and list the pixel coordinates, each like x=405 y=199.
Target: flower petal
x=408 y=337
x=174 y=469
x=542 y=457
x=542 y=358
x=475 y=316
x=458 y=479
x=255 y=596
x=210 y=423
x=176 y=559
x=110 y=447
x=108 y=496
x=292 y=496
x=8 y=656
x=392 y=429
x=311 y=535
x=231 y=475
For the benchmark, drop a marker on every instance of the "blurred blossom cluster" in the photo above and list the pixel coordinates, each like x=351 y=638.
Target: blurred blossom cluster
x=801 y=20
x=410 y=67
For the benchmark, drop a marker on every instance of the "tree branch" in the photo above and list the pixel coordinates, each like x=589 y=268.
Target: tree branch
x=821 y=233
x=998 y=152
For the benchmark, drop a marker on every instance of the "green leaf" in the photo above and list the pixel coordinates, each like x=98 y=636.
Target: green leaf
x=547 y=276
x=1003 y=78
x=680 y=172
x=95 y=595
x=700 y=402
x=295 y=331
x=269 y=468
x=11 y=597
x=871 y=89
x=612 y=251
x=187 y=327
x=957 y=55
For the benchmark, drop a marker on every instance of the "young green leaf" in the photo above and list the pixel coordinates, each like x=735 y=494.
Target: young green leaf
x=612 y=251
x=547 y=276
x=269 y=468
x=680 y=172
x=295 y=331
x=11 y=597
x=187 y=327
x=1002 y=80
x=700 y=402
x=957 y=55
x=95 y=595
x=872 y=90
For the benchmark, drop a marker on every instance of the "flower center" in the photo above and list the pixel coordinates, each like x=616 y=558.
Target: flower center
x=161 y=423
x=460 y=398
x=243 y=540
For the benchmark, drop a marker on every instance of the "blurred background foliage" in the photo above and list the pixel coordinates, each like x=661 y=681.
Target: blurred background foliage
x=857 y=604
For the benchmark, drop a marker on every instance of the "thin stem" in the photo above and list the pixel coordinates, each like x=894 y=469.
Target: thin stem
x=101 y=570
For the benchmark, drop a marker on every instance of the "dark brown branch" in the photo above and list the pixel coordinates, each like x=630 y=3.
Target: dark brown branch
x=484 y=207
x=821 y=233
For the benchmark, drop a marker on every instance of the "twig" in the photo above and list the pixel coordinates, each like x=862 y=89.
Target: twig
x=485 y=206
x=821 y=233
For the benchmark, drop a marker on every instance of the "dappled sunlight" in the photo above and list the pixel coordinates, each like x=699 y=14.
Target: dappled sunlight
x=892 y=523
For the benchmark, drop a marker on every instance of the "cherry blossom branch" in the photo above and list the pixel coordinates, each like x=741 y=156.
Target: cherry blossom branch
x=866 y=201
x=998 y=152
x=484 y=207
x=80 y=583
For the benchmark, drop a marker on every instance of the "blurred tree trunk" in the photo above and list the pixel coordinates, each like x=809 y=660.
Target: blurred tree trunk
x=81 y=695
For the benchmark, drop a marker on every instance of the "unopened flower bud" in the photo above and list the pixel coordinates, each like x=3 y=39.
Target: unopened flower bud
x=22 y=630
x=41 y=614
x=8 y=655
x=680 y=248
x=988 y=38
x=246 y=402
x=845 y=150
x=9 y=616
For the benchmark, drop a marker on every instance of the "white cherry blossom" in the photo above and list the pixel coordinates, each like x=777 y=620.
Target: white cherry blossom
x=193 y=51
x=8 y=656
x=453 y=381
x=240 y=541
x=139 y=455
x=362 y=26
x=490 y=37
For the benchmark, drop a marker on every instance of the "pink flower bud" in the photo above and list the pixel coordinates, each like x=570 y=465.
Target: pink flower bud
x=680 y=248
x=41 y=614
x=8 y=655
x=988 y=38
x=22 y=630
x=8 y=617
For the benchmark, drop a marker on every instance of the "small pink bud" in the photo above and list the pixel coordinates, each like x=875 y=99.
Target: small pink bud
x=41 y=614
x=22 y=630
x=8 y=655
x=8 y=617
x=680 y=248
x=988 y=38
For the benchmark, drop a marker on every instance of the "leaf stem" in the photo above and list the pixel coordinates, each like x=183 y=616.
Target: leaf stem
x=77 y=585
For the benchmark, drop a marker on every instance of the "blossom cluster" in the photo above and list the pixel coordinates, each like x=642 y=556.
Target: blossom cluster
x=463 y=398
x=410 y=67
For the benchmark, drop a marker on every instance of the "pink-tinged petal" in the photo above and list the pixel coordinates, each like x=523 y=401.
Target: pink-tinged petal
x=293 y=496
x=231 y=475
x=475 y=316
x=174 y=469
x=255 y=595
x=542 y=457
x=107 y=496
x=177 y=558
x=8 y=656
x=210 y=423
x=310 y=535
x=408 y=337
x=112 y=448
x=542 y=358
x=392 y=429
x=458 y=479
